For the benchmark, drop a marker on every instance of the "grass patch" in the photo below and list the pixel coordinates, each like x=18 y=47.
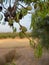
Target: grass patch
x=13 y=35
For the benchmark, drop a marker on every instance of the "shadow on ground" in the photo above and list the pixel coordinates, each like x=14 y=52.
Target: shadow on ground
x=26 y=57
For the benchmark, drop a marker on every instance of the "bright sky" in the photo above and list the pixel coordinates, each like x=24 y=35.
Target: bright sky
x=26 y=21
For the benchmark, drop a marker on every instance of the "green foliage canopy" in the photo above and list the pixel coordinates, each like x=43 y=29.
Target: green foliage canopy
x=40 y=22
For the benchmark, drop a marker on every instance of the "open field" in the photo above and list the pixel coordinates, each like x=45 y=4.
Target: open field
x=23 y=49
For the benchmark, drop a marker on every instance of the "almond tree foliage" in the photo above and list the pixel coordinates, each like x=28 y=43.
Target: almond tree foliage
x=39 y=21
x=40 y=25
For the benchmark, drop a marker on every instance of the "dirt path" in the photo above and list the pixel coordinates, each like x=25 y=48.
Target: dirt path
x=24 y=50
x=14 y=43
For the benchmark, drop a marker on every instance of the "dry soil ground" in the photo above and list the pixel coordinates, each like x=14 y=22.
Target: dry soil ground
x=24 y=50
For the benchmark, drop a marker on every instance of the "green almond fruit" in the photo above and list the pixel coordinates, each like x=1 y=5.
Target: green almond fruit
x=29 y=8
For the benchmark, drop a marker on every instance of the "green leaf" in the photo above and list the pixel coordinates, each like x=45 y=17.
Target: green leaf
x=32 y=44
x=10 y=22
x=38 y=51
x=24 y=11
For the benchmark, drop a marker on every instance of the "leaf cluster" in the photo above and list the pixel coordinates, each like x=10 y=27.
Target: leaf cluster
x=40 y=23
